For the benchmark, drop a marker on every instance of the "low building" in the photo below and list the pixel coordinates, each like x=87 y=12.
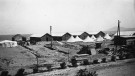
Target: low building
x=130 y=40
x=36 y=37
x=81 y=35
x=124 y=40
x=18 y=37
x=84 y=35
x=66 y=36
x=21 y=37
x=57 y=36
x=101 y=33
x=40 y=37
x=47 y=37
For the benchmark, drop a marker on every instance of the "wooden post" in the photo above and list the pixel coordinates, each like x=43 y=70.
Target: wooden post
x=37 y=62
x=68 y=55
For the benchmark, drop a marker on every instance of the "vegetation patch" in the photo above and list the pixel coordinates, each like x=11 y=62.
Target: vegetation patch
x=63 y=65
x=85 y=72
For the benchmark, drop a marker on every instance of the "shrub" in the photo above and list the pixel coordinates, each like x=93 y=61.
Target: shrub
x=84 y=72
x=20 y=72
x=85 y=62
x=84 y=50
x=4 y=73
x=121 y=57
x=81 y=72
x=49 y=67
x=35 y=70
x=104 y=51
x=127 y=56
x=74 y=62
x=95 y=61
x=92 y=74
x=63 y=65
x=113 y=58
x=103 y=60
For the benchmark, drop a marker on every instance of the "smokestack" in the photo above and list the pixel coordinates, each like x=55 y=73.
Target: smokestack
x=50 y=30
x=51 y=35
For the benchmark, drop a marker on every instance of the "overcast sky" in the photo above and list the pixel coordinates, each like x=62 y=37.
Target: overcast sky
x=35 y=16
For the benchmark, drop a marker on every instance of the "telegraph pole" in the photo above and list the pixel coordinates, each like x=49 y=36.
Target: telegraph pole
x=119 y=28
x=118 y=35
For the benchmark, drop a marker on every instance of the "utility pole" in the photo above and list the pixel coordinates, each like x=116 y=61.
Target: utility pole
x=118 y=35
x=119 y=28
x=51 y=35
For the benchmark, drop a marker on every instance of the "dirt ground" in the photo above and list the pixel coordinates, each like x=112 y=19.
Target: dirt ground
x=125 y=70
x=119 y=68
x=13 y=58
x=20 y=57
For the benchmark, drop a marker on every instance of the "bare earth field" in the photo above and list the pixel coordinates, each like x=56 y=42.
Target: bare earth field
x=12 y=59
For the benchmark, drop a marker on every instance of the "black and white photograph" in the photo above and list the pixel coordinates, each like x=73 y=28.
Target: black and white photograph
x=67 y=37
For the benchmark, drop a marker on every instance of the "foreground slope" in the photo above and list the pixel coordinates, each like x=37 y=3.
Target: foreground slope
x=16 y=56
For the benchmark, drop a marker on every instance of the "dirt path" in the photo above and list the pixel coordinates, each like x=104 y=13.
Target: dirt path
x=125 y=70
x=119 y=68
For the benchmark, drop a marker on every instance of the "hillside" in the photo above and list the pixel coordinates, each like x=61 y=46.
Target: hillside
x=113 y=30
x=12 y=58
x=6 y=37
x=121 y=28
